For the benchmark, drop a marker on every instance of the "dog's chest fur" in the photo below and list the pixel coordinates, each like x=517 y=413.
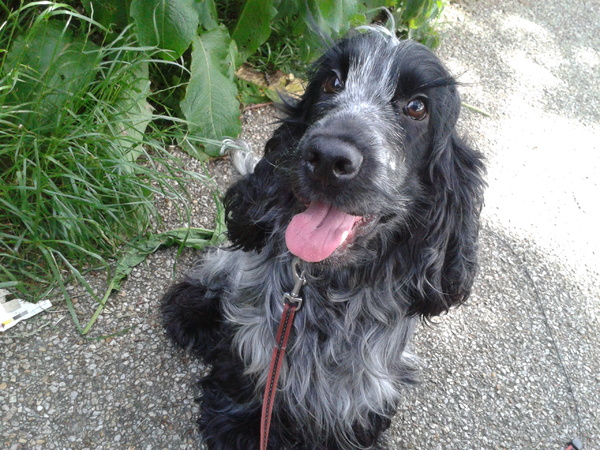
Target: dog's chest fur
x=347 y=358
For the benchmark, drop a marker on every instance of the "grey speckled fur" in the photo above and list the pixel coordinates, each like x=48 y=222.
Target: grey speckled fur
x=332 y=384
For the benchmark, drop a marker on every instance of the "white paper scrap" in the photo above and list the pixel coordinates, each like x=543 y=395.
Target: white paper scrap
x=14 y=311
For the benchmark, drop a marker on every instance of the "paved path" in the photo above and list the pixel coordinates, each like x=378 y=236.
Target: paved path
x=518 y=367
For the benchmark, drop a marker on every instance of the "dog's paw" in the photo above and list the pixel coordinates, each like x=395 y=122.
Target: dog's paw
x=191 y=317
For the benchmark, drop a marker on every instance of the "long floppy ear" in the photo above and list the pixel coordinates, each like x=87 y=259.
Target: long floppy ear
x=443 y=250
x=261 y=201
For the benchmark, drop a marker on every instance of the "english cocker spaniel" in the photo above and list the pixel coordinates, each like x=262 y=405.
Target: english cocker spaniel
x=367 y=192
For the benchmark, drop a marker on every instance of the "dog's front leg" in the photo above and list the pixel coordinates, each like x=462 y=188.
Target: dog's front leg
x=230 y=415
x=192 y=316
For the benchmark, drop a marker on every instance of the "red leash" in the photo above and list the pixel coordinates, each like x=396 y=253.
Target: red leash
x=292 y=302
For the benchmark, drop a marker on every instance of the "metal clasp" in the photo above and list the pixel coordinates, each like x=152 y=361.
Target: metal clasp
x=299 y=281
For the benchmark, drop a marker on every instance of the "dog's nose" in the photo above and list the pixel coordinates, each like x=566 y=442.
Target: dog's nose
x=331 y=161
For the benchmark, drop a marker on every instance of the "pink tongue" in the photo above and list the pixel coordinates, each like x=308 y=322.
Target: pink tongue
x=315 y=234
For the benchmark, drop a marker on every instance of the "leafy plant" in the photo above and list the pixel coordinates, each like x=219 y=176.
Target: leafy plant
x=166 y=25
x=215 y=37
x=92 y=92
x=74 y=125
x=417 y=20
x=210 y=104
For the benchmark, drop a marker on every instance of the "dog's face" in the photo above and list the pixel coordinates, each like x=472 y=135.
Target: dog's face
x=367 y=172
x=373 y=110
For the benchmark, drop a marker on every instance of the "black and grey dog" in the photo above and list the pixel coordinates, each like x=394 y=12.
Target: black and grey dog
x=368 y=184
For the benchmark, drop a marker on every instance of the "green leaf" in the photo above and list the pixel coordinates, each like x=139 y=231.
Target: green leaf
x=134 y=113
x=207 y=12
x=210 y=105
x=412 y=8
x=167 y=24
x=358 y=20
x=51 y=66
x=335 y=15
x=197 y=238
x=287 y=8
x=253 y=26
x=109 y=12
x=372 y=8
x=333 y=18
x=418 y=12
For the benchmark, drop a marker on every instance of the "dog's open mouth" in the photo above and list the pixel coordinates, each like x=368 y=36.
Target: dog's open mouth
x=315 y=234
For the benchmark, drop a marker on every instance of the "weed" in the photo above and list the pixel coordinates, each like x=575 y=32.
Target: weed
x=74 y=125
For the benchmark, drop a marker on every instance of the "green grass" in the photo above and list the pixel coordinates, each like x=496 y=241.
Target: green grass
x=282 y=51
x=80 y=157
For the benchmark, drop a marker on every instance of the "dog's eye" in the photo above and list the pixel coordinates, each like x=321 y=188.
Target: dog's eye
x=333 y=84
x=416 y=109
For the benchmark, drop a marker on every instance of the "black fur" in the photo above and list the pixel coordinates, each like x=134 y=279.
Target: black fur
x=352 y=141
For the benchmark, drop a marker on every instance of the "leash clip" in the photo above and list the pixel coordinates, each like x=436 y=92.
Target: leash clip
x=300 y=280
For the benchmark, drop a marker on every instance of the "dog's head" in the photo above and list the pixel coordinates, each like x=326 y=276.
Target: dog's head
x=367 y=171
